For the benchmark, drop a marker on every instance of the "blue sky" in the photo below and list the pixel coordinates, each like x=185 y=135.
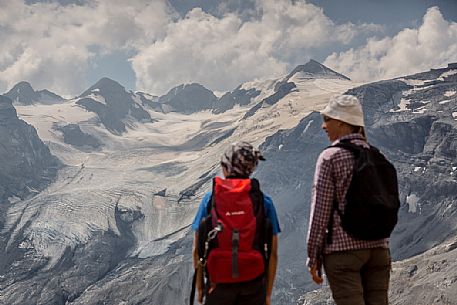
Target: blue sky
x=67 y=45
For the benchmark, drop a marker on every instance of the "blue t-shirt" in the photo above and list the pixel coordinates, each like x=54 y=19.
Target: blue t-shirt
x=270 y=212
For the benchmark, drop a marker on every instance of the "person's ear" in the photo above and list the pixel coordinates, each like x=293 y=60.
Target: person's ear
x=224 y=170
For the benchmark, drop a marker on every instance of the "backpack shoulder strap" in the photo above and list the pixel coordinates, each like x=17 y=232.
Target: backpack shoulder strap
x=255 y=184
x=348 y=145
x=212 y=200
x=264 y=236
x=211 y=208
x=256 y=196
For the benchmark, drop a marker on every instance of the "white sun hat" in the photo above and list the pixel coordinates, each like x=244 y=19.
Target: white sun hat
x=346 y=108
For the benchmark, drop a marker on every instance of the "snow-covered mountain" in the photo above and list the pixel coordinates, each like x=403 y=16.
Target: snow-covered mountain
x=115 y=107
x=114 y=226
x=298 y=80
x=23 y=94
x=135 y=196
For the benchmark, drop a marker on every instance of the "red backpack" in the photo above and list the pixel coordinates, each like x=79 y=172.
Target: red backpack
x=240 y=242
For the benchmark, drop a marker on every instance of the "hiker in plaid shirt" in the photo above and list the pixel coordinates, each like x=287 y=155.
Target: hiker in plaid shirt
x=358 y=271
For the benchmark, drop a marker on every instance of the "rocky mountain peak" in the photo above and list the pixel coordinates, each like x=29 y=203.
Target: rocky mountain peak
x=23 y=86
x=314 y=69
x=188 y=98
x=105 y=86
x=23 y=93
x=113 y=105
x=183 y=88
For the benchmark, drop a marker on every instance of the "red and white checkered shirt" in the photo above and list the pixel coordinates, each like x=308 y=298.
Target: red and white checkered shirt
x=332 y=177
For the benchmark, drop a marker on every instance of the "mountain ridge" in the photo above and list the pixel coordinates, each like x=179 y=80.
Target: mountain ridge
x=23 y=94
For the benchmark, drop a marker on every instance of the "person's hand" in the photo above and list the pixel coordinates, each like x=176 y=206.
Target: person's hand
x=315 y=275
x=268 y=300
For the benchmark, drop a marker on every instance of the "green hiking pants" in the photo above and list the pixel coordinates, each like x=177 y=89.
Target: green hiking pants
x=359 y=277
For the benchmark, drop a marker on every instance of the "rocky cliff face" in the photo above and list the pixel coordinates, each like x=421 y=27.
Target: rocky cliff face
x=73 y=135
x=26 y=165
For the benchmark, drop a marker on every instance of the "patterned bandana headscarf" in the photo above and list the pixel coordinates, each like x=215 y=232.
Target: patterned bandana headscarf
x=241 y=159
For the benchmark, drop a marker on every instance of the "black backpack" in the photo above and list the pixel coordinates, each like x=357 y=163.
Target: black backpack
x=372 y=201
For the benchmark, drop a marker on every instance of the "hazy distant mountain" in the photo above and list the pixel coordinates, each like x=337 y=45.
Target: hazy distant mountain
x=23 y=94
x=188 y=98
x=114 y=106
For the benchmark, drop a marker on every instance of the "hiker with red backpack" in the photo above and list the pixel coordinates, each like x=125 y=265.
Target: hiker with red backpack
x=353 y=210
x=236 y=227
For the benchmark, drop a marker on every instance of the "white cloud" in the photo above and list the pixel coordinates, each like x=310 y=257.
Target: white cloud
x=50 y=45
x=222 y=53
x=204 y=49
x=433 y=44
